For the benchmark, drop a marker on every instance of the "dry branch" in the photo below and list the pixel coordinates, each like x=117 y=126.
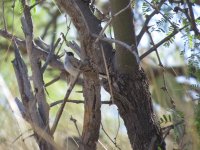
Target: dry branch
x=39 y=53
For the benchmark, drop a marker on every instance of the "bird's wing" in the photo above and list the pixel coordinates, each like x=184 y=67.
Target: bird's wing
x=75 y=62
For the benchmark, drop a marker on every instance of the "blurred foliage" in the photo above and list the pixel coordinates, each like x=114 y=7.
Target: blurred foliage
x=197 y=118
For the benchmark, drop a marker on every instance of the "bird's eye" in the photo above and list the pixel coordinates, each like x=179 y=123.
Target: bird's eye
x=70 y=54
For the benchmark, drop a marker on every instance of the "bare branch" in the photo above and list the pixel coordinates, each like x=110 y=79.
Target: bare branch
x=52 y=81
x=4 y=21
x=118 y=118
x=148 y=18
x=76 y=102
x=126 y=46
x=36 y=3
x=73 y=45
x=39 y=53
x=168 y=128
x=152 y=41
x=163 y=15
x=74 y=121
x=161 y=42
x=165 y=89
x=114 y=142
x=53 y=20
x=114 y=41
x=50 y=55
x=21 y=135
x=42 y=130
x=28 y=99
x=64 y=36
x=110 y=20
x=59 y=113
x=107 y=74
x=35 y=65
x=192 y=19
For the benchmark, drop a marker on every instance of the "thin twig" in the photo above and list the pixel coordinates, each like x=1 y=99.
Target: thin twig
x=13 y=18
x=110 y=137
x=32 y=6
x=148 y=18
x=168 y=128
x=59 y=113
x=165 y=89
x=107 y=74
x=4 y=20
x=154 y=7
x=173 y=125
x=55 y=63
x=73 y=45
x=21 y=135
x=123 y=44
x=151 y=38
x=161 y=42
x=102 y=145
x=52 y=81
x=53 y=19
x=192 y=19
x=64 y=36
x=118 y=118
x=74 y=121
x=76 y=102
x=114 y=41
x=50 y=55
x=109 y=22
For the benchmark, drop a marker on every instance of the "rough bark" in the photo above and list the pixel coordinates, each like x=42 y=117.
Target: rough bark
x=131 y=93
x=30 y=112
x=132 y=97
x=42 y=127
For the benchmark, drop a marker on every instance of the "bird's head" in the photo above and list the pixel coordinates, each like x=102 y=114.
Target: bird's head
x=69 y=53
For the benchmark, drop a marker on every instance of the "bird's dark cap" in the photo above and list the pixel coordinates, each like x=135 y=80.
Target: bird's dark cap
x=70 y=53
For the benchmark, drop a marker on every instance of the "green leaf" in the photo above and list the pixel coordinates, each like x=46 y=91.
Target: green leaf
x=170 y=119
x=165 y=117
x=32 y=3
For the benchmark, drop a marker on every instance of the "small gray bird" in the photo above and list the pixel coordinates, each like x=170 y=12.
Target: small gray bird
x=71 y=64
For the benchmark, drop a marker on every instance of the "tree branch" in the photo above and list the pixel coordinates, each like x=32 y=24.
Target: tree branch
x=161 y=42
x=192 y=19
x=59 y=113
x=39 y=53
x=148 y=18
x=76 y=102
x=86 y=23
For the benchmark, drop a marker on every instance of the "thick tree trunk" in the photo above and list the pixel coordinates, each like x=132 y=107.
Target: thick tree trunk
x=132 y=97
x=92 y=113
x=131 y=93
